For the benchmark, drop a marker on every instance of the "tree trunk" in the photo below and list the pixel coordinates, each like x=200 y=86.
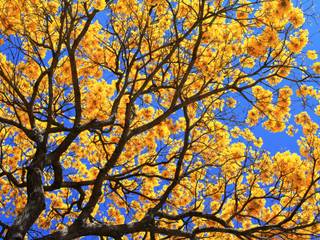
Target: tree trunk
x=35 y=205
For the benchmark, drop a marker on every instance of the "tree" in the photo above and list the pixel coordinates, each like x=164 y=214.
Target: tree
x=135 y=120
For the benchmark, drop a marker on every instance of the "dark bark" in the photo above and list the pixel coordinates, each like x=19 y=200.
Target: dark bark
x=34 y=207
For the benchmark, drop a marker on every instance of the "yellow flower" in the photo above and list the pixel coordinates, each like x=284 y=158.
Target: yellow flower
x=231 y=102
x=317 y=110
x=284 y=6
x=297 y=43
x=290 y=130
x=312 y=54
x=147 y=98
x=296 y=17
x=316 y=67
x=255 y=47
x=99 y=5
x=270 y=37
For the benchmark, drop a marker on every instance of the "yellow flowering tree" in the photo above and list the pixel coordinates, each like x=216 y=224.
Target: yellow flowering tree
x=133 y=119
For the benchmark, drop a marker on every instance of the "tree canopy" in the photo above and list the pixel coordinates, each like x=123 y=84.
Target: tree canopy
x=132 y=119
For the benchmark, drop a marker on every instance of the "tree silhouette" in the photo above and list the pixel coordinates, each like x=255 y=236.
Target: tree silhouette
x=133 y=120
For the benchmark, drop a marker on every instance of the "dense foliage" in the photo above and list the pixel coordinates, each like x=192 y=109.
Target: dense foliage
x=135 y=120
